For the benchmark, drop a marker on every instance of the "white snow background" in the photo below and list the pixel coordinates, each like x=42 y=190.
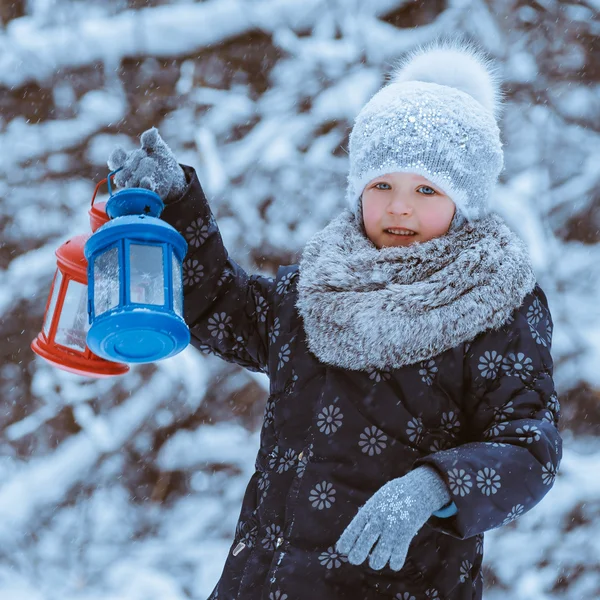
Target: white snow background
x=130 y=488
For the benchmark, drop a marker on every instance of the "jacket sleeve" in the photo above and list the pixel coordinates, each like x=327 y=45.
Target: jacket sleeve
x=229 y=312
x=513 y=448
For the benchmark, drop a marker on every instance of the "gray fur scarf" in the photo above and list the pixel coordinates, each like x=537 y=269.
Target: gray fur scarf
x=367 y=308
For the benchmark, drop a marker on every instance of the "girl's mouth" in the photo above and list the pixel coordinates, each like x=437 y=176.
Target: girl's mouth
x=400 y=231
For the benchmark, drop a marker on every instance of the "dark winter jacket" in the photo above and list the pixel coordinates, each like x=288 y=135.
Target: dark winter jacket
x=332 y=437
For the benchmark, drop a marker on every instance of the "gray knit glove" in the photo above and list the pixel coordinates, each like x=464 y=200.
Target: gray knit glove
x=393 y=515
x=153 y=166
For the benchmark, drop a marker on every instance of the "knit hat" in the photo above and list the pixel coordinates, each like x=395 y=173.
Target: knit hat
x=436 y=118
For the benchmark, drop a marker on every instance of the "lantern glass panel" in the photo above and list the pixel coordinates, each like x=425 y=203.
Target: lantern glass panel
x=106 y=281
x=177 y=285
x=73 y=324
x=146 y=279
x=52 y=305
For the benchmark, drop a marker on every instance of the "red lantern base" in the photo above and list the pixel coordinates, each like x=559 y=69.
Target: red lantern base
x=86 y=365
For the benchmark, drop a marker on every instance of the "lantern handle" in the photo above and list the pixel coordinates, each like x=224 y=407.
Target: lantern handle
x=105 y=180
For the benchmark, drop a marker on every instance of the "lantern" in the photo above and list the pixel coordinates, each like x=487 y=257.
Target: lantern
x=135 y=292
x=62 y=341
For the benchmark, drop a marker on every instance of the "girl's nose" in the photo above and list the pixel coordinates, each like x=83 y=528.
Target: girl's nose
x=399 y=205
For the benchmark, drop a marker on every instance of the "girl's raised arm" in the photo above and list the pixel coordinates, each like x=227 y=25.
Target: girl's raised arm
x=229 y=312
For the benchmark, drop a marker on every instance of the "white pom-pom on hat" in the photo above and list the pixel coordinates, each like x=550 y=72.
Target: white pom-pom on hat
x=457 y=64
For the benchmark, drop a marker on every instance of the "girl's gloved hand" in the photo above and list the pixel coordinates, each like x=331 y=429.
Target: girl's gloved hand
x=153 y=166
x=393 y=515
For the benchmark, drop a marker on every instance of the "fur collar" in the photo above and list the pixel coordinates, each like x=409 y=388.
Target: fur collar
x=366 y=308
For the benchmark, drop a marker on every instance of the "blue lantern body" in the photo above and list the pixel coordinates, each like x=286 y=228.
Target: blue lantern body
x=135 y=282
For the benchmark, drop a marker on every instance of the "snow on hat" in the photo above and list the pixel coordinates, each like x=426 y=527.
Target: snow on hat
x=437 y=118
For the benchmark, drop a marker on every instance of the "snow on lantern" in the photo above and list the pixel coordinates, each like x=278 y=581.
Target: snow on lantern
x=62 y=341
x=135 y=295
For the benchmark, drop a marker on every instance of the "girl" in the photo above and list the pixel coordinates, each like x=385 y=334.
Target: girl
x=412 y=406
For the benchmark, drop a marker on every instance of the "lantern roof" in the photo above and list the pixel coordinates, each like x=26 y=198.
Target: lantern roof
x=98 y=215
x=71 y=258
x=134 y=201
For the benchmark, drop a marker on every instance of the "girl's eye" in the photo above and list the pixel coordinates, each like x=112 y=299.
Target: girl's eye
x=382 y=183
x=431 y=191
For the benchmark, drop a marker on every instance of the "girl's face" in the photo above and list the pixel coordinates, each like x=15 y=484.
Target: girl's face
x=405 y=200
